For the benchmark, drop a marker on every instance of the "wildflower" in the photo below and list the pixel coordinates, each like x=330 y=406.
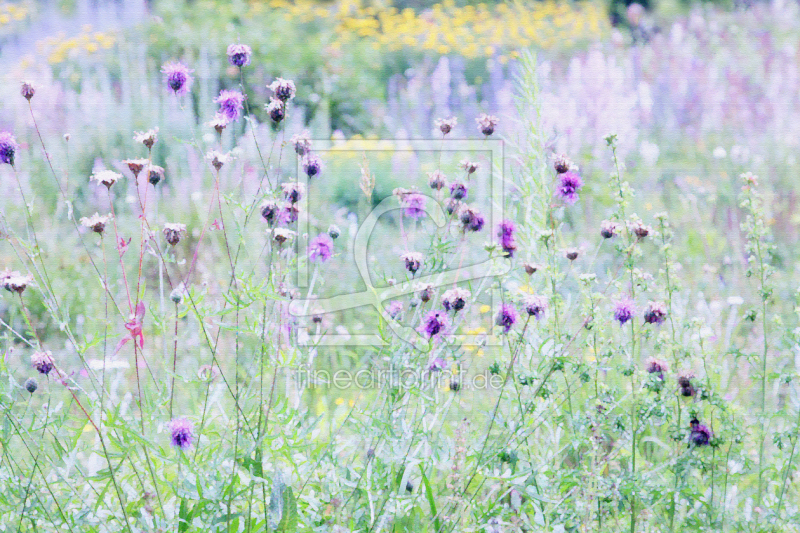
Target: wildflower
x=155 y=174
x=608 y=229
x=413 y=205
x=97 y=222
x=147 y=138
x=27 y=91
x=569 y=183
x=178 y=77
x=181 y=433
x=571 y=253
x=699 y=435
x=13 y=281
x=177 y=295
x=437 y=180
x=657 y=367
x=284 y=89
x=413 y=261
x=136 y=165
x=750 y=179
x=446 y=125
x=321 y=247
x=312 y=165
x=281 y=235
x=562 y=164
x=219 y=122
x=8 y=147
x=506 y=317
x=451 y=205
x=426 y=293
x=135 y=329
x=106 y=177
x=656 y=313
x=302 y=143
x=455 y=299
x=334 y=231
x=531 y=268
x=455 y=385
x=31 y=385
x=173 y=231
x=437 y=364
x=218 y=159
x=434 y=323
x=640 y=229
x=535 y=306
x=394 y=308
x=470 y=166
x=505 y=231
x=230 y=103
x=623 y=311
x=293 y=191
x=239 y=55
x=458 y=190
x=43 y=362
x=269 y=210
x=470 y=218
x=276 y=109
x=685 y=384
x=288 y=213
x=486 y=123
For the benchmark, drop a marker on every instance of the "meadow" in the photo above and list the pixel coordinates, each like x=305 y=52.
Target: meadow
x=457 y=267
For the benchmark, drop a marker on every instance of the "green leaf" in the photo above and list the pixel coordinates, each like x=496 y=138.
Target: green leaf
x=288 y=521
x=431 y=500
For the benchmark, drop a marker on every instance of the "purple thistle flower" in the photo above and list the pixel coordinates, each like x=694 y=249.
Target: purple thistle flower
x=239 y=55
x=505 y=231
x=178 y=77
x=230 y=103
x=413 y=261
x=312 y=165
x=293 y=191
x=506 y=317
x=413 y=205
x=535 y=306
x=656 y=313
x=455 y=299
x=436 y=364
x=270 y=210
x=700 y=434
x=458 y=190
x=181 y=433
x=569 y=183
x=8 y=147
x=302 y=143
x=623 y=311
x=43 y=362
x=437 y=180
x=321 y=248
x=284 y=89
x=471 y=219
x=657 y=367
x=276 y=110
x=486 y=123
x=435 y=322
x=288 y=213
x=394 y=308
x=685 y=384
x=608 y=229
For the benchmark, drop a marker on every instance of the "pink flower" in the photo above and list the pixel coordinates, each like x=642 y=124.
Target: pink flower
x=134 y=328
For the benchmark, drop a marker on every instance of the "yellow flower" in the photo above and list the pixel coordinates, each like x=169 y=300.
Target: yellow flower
x=339 y=401
x=485 y=308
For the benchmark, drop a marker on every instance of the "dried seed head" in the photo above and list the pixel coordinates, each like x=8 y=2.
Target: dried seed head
x=97 y=222
x=136 y=165
x=270 y=210
x=281 y=235
x=334 y=231
x=293 y=191
x=13 y=281
x=173 y=232
x=531 y=268
x=155 y=174
x=437 y=180
x=276 y=109
x=106 y=177
x=571 y=253
x=446 y=125
x=470 y=166
x=218 y=159
x=413 y=261
x=147 y=138
x=562 y=164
